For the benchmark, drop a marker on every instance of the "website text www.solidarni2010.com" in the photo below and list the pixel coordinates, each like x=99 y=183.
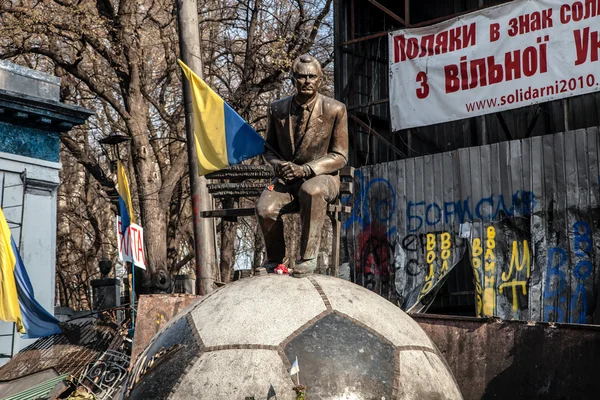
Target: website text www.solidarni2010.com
x=530 y=93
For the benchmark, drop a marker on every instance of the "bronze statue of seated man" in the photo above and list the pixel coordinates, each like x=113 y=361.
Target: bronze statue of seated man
x=307 y=144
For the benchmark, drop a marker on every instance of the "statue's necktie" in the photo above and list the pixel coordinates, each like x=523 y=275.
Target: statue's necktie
x=304 y=114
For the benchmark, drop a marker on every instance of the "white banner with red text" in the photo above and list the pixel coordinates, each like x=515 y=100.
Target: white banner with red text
x=504 y=57
x=131 y=245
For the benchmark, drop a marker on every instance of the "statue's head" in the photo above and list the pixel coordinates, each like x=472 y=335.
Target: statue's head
x=307 y=75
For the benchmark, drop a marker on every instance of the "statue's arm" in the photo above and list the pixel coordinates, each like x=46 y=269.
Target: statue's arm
x=272 y=141
x=337 y=155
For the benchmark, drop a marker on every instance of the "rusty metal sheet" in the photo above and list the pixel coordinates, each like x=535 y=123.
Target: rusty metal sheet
x=153 y=312
x=493 y=359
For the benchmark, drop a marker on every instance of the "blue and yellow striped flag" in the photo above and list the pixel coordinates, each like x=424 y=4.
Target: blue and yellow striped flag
x=125 y=204
x=223 y=138
x=17 y=300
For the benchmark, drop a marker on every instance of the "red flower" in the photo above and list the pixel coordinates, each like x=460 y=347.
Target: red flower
x=282 y=270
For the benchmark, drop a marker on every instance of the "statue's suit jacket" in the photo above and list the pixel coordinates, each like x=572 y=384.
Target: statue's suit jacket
x=324 y=145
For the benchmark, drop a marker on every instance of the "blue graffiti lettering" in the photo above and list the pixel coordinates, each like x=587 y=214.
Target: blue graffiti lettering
x=486 y=209
x=509 y=212
x=489 y=200
x=582 y=246
x=583 y=269
x=528 y=204
x=410 y=217
x=447 y=211
x=581 y=236
x=384 y=207
x=555 y=278
x=439 y=214
x=463 y=210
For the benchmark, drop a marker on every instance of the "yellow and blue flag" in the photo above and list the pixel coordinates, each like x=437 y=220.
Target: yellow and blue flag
x=17 y=300
x=125 y=204
x=223 y=138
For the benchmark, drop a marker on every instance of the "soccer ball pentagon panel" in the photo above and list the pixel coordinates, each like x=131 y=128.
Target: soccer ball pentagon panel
x=240 y=342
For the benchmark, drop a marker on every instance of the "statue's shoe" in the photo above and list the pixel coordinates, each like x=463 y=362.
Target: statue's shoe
x=305 y=267
x=270 y=266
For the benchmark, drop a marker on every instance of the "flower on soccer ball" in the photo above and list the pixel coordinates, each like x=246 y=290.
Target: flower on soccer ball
x=282 y=270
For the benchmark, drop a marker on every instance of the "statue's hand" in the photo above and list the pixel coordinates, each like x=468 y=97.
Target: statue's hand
x=291 y=172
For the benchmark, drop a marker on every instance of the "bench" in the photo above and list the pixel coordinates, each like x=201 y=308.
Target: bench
x=250 y=180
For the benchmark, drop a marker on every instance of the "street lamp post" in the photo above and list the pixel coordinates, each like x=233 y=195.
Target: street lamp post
x=114 y=155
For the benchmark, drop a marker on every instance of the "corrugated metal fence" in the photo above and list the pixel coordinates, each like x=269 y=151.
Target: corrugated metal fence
x=524 y=212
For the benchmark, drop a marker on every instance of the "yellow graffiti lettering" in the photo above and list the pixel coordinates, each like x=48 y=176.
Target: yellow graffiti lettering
x=444 y=267
x=446 y=244
x=426 y=288
x=476 y=252
x=430 y=257
x=477 y=249
x=431 y=273
x=430 y=242
x=516 y=263
x=526 y=262
x=489 y=279
x=489 y=298
x=513 y=285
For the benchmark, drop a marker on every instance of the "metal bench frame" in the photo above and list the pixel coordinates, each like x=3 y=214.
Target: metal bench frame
x=238 y=187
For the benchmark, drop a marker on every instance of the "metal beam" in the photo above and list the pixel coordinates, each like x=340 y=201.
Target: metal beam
x=504 y=126
x=387 y=11
x=365 y=38
x=373 y=103
x=378 y=135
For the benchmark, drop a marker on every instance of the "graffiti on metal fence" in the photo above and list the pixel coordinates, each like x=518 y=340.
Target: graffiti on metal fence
x=527 y=231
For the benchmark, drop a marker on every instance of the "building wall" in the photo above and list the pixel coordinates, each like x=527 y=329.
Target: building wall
x=522 y=215
x=31 y=122
x=30 y=196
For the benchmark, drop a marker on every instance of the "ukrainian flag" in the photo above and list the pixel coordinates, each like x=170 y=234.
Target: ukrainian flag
x=223 y=138
x=125 y=204
x=17 y=300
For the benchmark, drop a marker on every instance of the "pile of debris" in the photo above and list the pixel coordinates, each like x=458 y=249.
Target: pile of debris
x=89 y=359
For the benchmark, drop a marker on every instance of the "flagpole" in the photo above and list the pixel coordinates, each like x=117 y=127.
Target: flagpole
x=204 y=237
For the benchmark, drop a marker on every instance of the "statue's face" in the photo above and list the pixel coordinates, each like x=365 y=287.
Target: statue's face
x=307 y=79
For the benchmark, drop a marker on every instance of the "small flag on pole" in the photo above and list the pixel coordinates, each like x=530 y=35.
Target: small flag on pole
x=223 y=138
x=125 y=204
x=295 y=369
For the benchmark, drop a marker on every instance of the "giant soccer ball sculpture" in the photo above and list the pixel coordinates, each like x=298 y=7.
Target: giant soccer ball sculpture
x=240 y=341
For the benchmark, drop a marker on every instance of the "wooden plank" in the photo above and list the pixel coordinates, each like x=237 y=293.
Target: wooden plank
x=237 y=193
x=346 y=187
x=228 y=212
x=242 y=171
x=347 y=172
